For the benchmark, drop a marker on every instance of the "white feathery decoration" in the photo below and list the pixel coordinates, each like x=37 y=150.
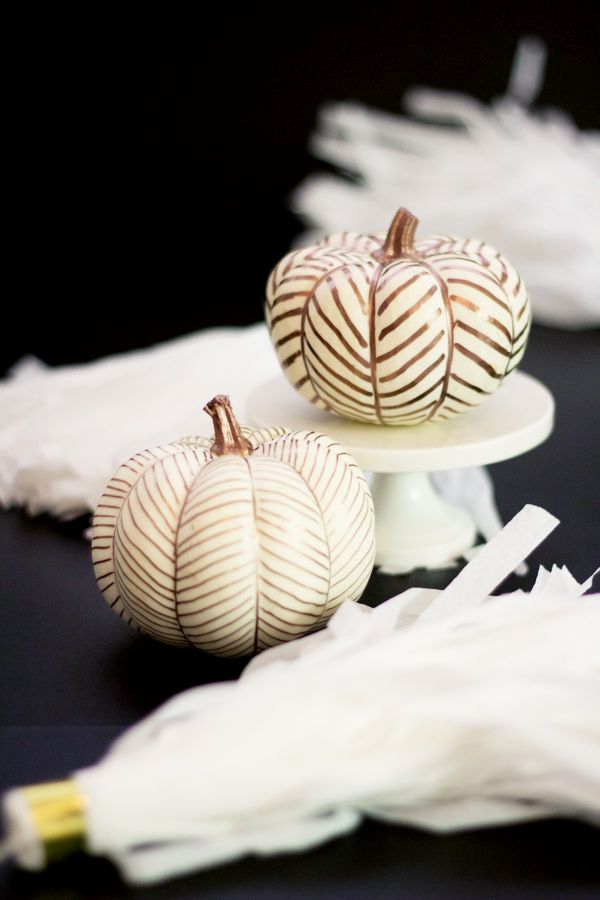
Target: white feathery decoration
x=441 y=709
x=525 y=181
x=65 y=430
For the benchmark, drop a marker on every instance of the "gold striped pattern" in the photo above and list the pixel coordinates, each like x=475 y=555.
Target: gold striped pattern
x=419 y=338
x=345 y=505
x=133 y=536
x=234 y=554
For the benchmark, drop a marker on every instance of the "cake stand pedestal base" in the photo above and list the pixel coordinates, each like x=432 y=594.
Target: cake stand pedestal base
x=414 y=525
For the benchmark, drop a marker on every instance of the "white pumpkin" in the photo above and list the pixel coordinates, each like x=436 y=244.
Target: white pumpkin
x=236 y=544
x=382 y=329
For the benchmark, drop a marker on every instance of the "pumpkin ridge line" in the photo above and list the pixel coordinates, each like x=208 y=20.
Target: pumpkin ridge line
x=150 y=540
x=325 y=533
x=256 y=558
x=114 y=527
x=139 y=577
x=303 y=317
x=130 y=562
x=160 y=491
x=372 y=339
x=142 y=482
x=450 y=323
x=342 y=310
x=176 y=549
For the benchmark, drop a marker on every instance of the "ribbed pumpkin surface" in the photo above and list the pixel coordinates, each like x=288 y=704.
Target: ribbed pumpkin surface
x=234 y=553
x=381 y=329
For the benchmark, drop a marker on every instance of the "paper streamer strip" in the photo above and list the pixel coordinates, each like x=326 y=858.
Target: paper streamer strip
x=494 y=562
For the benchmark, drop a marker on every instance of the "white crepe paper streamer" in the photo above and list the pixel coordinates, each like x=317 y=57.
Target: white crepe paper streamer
x=64 y=431
x=445 y=710
x=487 y=570
x=527 y=182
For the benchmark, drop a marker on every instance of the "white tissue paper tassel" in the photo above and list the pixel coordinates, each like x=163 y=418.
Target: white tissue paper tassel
x=444 y=710
x=527 y=182
x=64 y=431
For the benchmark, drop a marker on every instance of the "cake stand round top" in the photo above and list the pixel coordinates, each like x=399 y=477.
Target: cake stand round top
x=516 y=418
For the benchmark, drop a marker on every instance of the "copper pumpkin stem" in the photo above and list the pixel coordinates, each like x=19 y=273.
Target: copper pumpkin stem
x=400 y=240
x=228 y=434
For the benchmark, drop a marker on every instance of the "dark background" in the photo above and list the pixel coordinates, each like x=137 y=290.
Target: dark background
x=154 y=153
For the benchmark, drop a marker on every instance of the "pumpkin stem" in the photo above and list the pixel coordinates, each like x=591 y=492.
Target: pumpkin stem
x=228 y=434
x=401 y=236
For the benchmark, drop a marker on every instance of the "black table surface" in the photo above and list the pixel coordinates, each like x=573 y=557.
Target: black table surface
x=72 y=677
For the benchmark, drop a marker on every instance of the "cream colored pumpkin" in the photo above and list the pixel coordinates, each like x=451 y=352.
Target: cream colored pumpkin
x=382 y=329
x=237 y=544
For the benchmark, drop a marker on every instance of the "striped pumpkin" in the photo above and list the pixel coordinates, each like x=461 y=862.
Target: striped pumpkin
x=381 y=329
x=235 y=544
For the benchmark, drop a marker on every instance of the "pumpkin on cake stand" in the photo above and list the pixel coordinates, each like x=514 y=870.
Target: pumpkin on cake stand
x=382 y=332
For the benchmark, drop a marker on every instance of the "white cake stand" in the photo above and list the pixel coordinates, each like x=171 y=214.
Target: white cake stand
x=415 y=526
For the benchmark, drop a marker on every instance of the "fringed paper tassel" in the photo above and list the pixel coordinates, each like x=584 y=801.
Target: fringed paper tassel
x=523 y=180
x=444 y=710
